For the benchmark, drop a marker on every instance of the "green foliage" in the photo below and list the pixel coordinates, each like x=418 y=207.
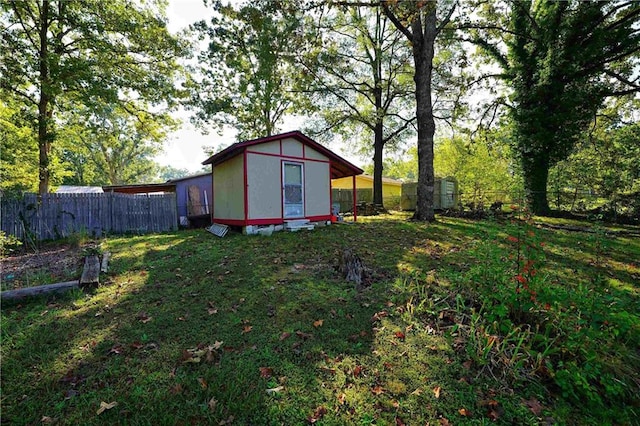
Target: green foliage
x=606 y=162
x=562 y=60
x=484 y=173
x=19 y=150
x=246 y=76
x=58 y=57
x=8 y=243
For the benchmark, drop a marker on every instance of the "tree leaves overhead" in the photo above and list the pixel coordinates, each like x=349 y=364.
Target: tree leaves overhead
x=246 y=77
x=362 y=83
x=54 y=54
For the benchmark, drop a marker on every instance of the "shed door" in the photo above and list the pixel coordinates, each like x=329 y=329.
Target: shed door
x=292 y=190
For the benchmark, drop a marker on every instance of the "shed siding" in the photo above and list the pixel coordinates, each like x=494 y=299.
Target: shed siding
x=264 y=185
x=228 y=189
x=269 y=147
x=317 y=190
x=182 y=187
x=292 y=148
x=314 y=155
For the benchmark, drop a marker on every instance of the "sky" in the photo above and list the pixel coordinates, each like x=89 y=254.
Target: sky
x=183 y=149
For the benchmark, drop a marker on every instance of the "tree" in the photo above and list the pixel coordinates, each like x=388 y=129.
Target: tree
x=483 y=172
x=362 y=82
x=18 y=149
x=111 y=146
x=56 y=51
x=560 y=60
x=246 y=77
x=605 y=161
x=419 y=23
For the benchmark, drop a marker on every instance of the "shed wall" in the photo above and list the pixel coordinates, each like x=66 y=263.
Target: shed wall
x=264 y=184
x=268 y=147
x=317 y=189
x=182 y=187
x=228 y=189
x=292 y=148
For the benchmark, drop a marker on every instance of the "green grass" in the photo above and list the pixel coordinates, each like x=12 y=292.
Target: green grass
x=193 y=329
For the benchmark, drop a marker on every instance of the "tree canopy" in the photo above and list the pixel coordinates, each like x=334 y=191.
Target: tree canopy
x=560 y=61
x=55 y=54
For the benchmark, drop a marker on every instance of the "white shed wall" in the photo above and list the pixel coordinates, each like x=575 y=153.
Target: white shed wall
x=317 y=189
x=264 y=184
x=291 y=148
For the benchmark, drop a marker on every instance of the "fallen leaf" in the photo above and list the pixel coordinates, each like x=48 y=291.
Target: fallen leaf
x=444 y=422
x=400 y=335
x=342 y=398
x=228 y=421
x=46 y=420
x=105 y=406
x=137 y=345
x=436 y=391
x=357 y=371
x=247 y=329
x=275 y=390
x=212 y=311
x=399 y=421
x=377 y=390
x=203 y=382
x=284 y=335
x=302 y=335
x=464 y=412
x=534 y=406
x=417 y=392
x=378 y=315
x=266 y=372
x=176 y=389
x=317 y=414
x=318 y=323
x=217 y=345
x=328 y=370
x=212 y=404
x=116 y=349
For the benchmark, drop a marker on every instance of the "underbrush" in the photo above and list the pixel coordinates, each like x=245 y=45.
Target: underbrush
x=516 y=320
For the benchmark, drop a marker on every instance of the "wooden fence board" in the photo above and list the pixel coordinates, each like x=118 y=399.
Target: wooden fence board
x=55 y=216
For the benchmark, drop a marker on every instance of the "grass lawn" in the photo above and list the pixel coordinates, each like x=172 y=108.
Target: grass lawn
x=464 y=322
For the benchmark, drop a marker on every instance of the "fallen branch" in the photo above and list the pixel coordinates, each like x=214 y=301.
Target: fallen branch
x=21 y=293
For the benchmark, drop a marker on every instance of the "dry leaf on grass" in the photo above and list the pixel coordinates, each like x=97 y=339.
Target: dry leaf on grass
x=275 y=390
x=318 y=323
x=436 y=391
x=105 y=406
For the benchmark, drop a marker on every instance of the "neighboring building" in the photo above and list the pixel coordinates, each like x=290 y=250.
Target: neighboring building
x=391 y=188
x=193 y=197
x=274 y=179
x=70 y=189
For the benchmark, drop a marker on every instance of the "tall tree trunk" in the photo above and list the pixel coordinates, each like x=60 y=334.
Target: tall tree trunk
x=423 y=50
x=536 y=176
x=378 y=145
x=44 y=113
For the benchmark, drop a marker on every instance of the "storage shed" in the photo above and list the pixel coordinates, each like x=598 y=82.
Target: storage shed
x=271 y=180
x=193 y=195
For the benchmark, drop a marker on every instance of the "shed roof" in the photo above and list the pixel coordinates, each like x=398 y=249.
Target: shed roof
x=339 y=166
x=197 y=175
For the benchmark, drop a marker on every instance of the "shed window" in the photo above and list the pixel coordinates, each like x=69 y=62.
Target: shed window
x=293 y=190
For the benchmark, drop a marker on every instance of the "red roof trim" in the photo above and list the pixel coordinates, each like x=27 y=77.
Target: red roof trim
x=339 y=166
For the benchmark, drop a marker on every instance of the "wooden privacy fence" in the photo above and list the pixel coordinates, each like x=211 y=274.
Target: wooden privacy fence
x=60 y=215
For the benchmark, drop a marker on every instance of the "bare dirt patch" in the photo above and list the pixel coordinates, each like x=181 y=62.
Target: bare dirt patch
x=48 y=264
